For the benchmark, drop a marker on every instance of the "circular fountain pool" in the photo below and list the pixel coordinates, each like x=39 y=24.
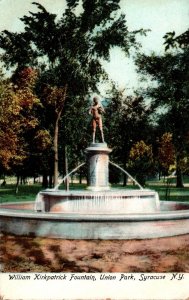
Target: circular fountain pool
x=98 y=212
x=171 y=219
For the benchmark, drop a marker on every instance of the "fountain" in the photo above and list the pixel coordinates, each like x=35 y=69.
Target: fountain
x=98 y=197
x=99 y=212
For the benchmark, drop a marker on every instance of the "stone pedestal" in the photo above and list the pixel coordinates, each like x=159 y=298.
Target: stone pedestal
x=98 y=167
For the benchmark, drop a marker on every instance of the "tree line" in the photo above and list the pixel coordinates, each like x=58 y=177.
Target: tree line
x=57 y=63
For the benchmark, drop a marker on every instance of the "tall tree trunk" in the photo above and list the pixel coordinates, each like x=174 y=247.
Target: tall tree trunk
x=80 y=177
x=17 y=184
x=125 y=177
x=56 y=151
x=55 y=142
x=179 y=181
x=51 y=180
x=45 y=181
x=66 y=169
x=179 y=178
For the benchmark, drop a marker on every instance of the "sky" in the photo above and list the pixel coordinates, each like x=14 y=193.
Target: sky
x=159 y=16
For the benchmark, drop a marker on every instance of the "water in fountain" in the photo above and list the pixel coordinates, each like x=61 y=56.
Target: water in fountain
x=68 y=175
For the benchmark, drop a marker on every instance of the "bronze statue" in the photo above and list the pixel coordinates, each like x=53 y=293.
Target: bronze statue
x=96 y=111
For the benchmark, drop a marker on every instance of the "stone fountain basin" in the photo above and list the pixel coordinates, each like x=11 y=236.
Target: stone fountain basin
x=19 y=218
x=84 y=201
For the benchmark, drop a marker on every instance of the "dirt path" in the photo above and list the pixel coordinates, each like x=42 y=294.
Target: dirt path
x=28 y=254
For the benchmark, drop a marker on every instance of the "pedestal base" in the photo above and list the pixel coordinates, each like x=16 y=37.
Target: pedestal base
x=98 y=167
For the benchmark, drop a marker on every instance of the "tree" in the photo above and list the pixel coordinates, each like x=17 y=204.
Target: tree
x=141 y=160
x=55 y=97
x=126 y=122
x=74 y=46
x=166 y=153
x=69 y=52
x=168 y=91
x=24 y=82
x=18 y=119
x=172 y=41
x=9 y=124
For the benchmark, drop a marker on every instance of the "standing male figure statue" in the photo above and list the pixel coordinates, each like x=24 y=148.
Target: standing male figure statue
x=96 y=111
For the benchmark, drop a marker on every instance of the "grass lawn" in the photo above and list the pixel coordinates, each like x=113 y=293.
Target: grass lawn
x=169 y=191
x=25 y=193
x=29 y=192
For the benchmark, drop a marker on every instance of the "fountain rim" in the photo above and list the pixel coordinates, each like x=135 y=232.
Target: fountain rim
x=86 y=192
x=98 y=217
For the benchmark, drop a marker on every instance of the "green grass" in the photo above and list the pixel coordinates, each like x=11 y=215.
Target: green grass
x=174 y=194
x=25 y=193
x=29 y=192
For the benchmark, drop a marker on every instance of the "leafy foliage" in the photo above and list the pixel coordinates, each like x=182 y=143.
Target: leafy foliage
x=73 y=44
x=172 y=41
x=17 y=119
x=166 y=153
x=141 y=160
x=68 y=53
x=10 y=126
x=169 y=89
x=125 y=116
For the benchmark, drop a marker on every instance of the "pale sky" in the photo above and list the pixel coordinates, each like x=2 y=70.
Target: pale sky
x=160 y=16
